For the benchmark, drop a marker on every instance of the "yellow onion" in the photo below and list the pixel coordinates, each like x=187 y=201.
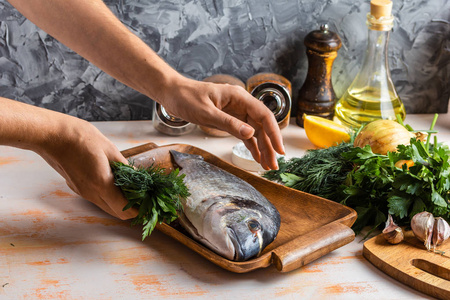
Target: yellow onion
x=384 y=136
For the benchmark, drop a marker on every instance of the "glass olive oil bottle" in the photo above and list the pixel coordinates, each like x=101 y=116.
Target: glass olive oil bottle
x=372 y=95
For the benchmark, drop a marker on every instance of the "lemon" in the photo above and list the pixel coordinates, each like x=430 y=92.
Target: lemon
x=325 y=133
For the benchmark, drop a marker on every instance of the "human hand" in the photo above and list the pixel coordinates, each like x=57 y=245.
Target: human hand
x=230 y=108
x=82 y=155
x=92 y=30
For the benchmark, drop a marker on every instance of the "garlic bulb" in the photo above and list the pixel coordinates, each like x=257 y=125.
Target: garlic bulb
x=432 y=231
x=422 y=225
x=392 y=232
x=441 y=231
x=384 y=136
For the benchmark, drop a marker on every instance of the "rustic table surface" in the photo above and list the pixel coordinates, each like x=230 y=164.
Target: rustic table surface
x=54 y=244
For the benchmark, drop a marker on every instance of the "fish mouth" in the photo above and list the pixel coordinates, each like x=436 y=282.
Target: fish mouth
x=238 y=253
x=242 y=253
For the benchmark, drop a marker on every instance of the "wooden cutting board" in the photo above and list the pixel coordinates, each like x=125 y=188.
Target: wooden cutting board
x=311 y=226
x=410 y=263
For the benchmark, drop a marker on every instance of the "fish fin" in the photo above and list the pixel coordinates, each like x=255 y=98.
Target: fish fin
x=179 y=157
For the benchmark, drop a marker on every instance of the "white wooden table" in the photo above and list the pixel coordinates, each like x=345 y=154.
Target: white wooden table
x=54 y=244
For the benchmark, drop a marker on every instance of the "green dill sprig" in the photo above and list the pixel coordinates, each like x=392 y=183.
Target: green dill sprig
x=154 y=193
x=318 y=172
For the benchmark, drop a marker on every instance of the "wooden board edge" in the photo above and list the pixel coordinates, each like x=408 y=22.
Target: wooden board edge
x=396 y=274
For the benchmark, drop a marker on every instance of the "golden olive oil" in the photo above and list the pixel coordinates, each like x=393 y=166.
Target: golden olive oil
x=372 y=95
x=357 y=107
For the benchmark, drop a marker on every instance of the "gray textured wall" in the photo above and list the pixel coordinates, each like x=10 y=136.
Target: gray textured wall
x=240 y=37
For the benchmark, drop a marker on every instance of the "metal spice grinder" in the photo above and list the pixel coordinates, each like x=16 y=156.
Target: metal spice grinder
x=275 y=92
x=169 y=124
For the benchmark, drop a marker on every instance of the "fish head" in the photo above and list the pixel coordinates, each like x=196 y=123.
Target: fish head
x=246 y=228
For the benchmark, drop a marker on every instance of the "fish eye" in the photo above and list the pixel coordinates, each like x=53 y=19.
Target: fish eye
x=254 y=225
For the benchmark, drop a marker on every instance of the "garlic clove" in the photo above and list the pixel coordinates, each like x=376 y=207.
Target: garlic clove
x=441 y=231
x=392 y=233
x=395 y=236
x=422 y=225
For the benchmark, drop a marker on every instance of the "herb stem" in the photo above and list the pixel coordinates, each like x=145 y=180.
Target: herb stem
x=434 y=121
x=431 y=128
x=399 y=120
x=427 y=131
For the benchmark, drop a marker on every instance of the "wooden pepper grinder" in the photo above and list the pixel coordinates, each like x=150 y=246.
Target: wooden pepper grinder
x=317 y=97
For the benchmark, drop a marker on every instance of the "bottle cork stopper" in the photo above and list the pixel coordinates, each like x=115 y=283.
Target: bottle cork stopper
x=380 y=8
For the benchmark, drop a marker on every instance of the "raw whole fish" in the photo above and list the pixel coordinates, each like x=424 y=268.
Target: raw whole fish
x=224 y=212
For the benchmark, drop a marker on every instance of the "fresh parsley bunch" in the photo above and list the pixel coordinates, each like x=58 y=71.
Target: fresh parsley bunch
x=375 y=185
x=156 y=194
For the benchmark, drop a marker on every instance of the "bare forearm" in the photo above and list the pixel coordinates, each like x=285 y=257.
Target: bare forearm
x=28 y=127
x=73 y=147
x=91 y=29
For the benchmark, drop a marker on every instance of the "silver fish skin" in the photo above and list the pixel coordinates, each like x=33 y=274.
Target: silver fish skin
x=224 y=212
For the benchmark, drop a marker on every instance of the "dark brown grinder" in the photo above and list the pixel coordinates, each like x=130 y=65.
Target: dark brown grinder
x=317 y=97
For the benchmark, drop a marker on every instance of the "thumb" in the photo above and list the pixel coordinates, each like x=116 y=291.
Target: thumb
x=234 y=126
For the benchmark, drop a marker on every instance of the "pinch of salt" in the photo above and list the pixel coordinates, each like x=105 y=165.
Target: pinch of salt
x=242 y=151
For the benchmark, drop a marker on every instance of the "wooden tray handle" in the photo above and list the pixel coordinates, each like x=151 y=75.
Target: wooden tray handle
x=311 y=246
